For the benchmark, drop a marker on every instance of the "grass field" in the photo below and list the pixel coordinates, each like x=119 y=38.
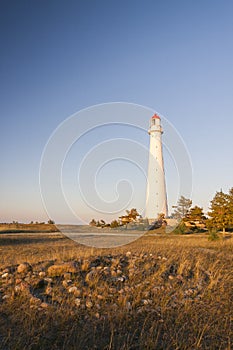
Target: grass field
x=18 y=227
x=162 y=292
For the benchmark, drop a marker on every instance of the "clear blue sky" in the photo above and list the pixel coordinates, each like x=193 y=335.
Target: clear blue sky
x=58 y=57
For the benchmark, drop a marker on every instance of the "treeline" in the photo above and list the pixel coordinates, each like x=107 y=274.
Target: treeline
x=219 y=217
x=191 y=219
x=49 y=222
x=131 y=216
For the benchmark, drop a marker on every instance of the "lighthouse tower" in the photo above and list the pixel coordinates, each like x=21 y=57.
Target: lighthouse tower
x=156 y=198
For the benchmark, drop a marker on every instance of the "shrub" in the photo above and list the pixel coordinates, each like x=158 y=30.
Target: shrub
x=92 y=222
x=213 y=235
x=180 y=229
x=114 y=224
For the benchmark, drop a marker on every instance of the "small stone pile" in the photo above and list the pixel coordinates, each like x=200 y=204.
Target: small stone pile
x=129 y=282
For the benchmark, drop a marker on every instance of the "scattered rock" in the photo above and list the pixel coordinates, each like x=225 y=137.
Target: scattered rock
x=121 y=279
x=103 y=281
x=48 y=290
x=23 y=287
x=77 y=301
x=89 y=304
x=24 y=268
x=44 y=305
x=18 y=280
x=61 y=269
x=6 y=270
x=179 y=277
x=65 y=284
x=91 y=276
x=146 y=301
x=48 y=279
x=35 y=301
x=42 y=274
x=73 y=289
x=5 y=275
x=67 y=276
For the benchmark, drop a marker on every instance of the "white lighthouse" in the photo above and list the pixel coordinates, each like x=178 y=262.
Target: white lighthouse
x=156 y=198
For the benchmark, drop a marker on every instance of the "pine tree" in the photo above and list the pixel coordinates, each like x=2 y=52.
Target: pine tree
x=92 y=222
x=196 y=214
x=220 y=216
x=231 y=205
x=182 y=208
x=132 y=213
x=114 y=224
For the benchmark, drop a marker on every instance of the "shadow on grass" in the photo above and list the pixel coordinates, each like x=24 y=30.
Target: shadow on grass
x=13 y=241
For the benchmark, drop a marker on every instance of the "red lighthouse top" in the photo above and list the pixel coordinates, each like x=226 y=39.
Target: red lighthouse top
x=156 y=116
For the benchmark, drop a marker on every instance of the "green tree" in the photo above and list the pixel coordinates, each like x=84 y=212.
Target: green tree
x=182 y=208
x=213 y=235
x=220 y=211
x=180 y=229
x=92 y=222
x=114 y=224
x=195 y=214
x=231 y=205
x=132 y=213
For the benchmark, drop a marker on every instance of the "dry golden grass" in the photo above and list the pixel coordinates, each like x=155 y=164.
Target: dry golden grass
x=18 y=227
x=169 y=292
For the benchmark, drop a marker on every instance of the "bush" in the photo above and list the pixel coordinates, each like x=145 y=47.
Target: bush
x=180 y=229
x=114 y=224
x=213 y=235
x=92 y=222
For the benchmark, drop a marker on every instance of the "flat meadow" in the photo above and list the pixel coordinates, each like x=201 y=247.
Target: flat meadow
x=158 y=292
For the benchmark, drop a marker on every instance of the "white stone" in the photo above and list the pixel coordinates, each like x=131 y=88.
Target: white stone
x=77 y=301
x=89 y=304
x=42 y=273
x=72 y=289
x=5 y=275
